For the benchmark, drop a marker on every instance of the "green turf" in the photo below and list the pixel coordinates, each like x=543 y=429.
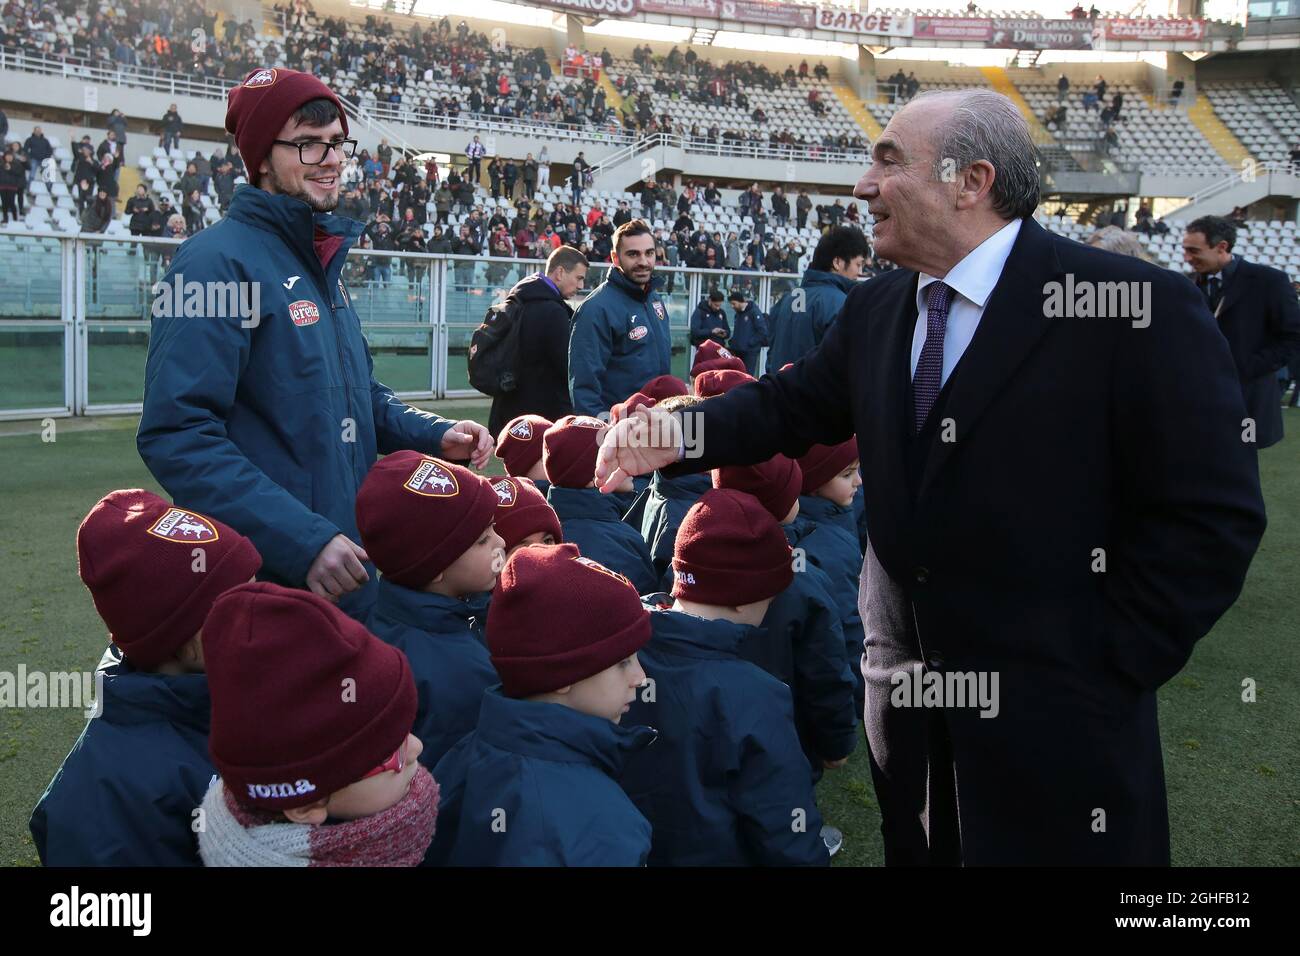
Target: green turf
x=1232 y=767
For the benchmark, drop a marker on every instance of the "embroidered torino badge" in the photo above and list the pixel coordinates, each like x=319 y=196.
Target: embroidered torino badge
x=261 y=78
x=523 y=429
x=597 y=566
x=185 y=526
x=660 y=310
x=432 y=480
x=304 y=312
x=723 y=353
x=586 y=421
x=507 y=493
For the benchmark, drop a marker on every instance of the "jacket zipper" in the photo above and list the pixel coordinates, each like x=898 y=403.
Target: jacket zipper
x=343 y=367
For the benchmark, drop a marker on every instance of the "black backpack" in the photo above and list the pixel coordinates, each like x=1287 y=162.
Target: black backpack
x=493 y=357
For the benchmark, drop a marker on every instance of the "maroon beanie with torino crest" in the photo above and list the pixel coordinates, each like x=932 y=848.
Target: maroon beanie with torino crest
x=523 y=510
x=519 y=445
x=154 y=570
x=557 y=618
x=258 y=108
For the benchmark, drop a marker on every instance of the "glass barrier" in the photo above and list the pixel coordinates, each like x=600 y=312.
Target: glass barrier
x=30 y=282
x=31 y=366
x=32 y=353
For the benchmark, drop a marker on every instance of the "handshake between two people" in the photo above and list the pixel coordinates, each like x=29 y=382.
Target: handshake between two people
x=637 y=443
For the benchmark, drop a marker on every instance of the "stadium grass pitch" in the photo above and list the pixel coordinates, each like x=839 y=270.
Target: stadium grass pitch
x=1232 y=767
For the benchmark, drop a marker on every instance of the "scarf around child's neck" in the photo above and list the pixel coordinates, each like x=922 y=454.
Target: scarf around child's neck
x=399 y=836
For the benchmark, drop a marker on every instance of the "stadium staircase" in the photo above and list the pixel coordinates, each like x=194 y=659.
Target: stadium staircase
x=1224 y=141
x=858 y=110
x=999 y=80
x=612 y=96
x=127 y=180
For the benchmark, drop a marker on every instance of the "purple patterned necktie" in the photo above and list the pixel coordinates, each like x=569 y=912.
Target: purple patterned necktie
x=929 y=368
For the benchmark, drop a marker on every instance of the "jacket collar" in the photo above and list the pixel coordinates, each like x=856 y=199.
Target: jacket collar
x=821 y=511
x=584 y=503
x=684 y=486
x=691 y=636
x=421 y=609
x=555 y=732
x=131 y=696
x=818 y=277
x=294 y=222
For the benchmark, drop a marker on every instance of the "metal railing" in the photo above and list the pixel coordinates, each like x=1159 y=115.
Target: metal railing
x=111 y=73
x=1247 y=174
x=75 y=316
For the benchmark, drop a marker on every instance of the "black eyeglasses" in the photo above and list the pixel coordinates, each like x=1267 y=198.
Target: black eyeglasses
x=313 y=152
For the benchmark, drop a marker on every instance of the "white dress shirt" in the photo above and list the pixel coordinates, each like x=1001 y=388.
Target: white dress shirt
x=972 y=281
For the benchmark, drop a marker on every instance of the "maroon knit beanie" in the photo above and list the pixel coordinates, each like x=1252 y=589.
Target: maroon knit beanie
x=711 y=355
x=136 y=554
x=520 y=443
x=418 y=514
x=557 y=618
x=258 y=108
x=623 y=409
x=523 y=510
x=305 y=700
x=821 y=463
x=717 y=381
x=730 y=551
x=775 y=483
x=664 y=386
x=569 y=450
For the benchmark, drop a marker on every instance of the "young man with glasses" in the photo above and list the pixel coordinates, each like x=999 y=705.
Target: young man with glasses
x=266 y=414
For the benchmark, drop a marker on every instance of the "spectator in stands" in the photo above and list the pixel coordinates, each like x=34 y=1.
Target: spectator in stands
x=530 y=176
x=494 y=176
x=13 y=180
x=712 y=197
x=1116 y=104
x=38 y=150
x=543 y=167
x=4 y=129
x=173 y=229
x=1176 y=93
x=99 y=213
x=1295 y=154
x=192 y=209
x=576 y=179
x=116 y=123
x=1099 y=87
x=1257 y=312
x=509 y=176
x=223 y=181
x=172 y=124
x=1062 y=88
x=802 y=205
x=780 y=207
x=474 y=152
x=141 y=210
x=835 y=268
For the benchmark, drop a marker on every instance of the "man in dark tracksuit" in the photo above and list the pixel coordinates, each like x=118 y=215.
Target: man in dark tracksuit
x=709 y=321
x=749 y=334
x=620 y=337
x=802 y=316
x=544 y=316
x=267 y=415
x=1257 y=312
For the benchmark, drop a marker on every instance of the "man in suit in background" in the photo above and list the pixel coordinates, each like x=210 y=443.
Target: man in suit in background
x=1257 y=313
x=1061 y=504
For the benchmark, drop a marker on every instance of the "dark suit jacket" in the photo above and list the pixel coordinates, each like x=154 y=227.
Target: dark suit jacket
x=1259 y=315
x=1071 y=435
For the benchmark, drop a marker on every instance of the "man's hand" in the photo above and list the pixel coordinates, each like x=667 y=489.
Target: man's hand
x=721 y=332
x=467 y=440
x=646 y=440
x=337 y=570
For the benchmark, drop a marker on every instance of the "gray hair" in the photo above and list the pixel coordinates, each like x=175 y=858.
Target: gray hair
x=987 y=126
x=1115 y=239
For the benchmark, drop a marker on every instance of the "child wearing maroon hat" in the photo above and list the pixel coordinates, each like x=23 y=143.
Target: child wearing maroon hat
x=591 y=520
x=711 y=355
x=664 y=386
x=802 y=641
x=427 y=525
x=523 y=515
x=666 y=503
x=534 y=785
x=519 y=447
x=738 y=794
x=125 y=795
x=828 y=533
x=633 y=501
x=311 y=723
